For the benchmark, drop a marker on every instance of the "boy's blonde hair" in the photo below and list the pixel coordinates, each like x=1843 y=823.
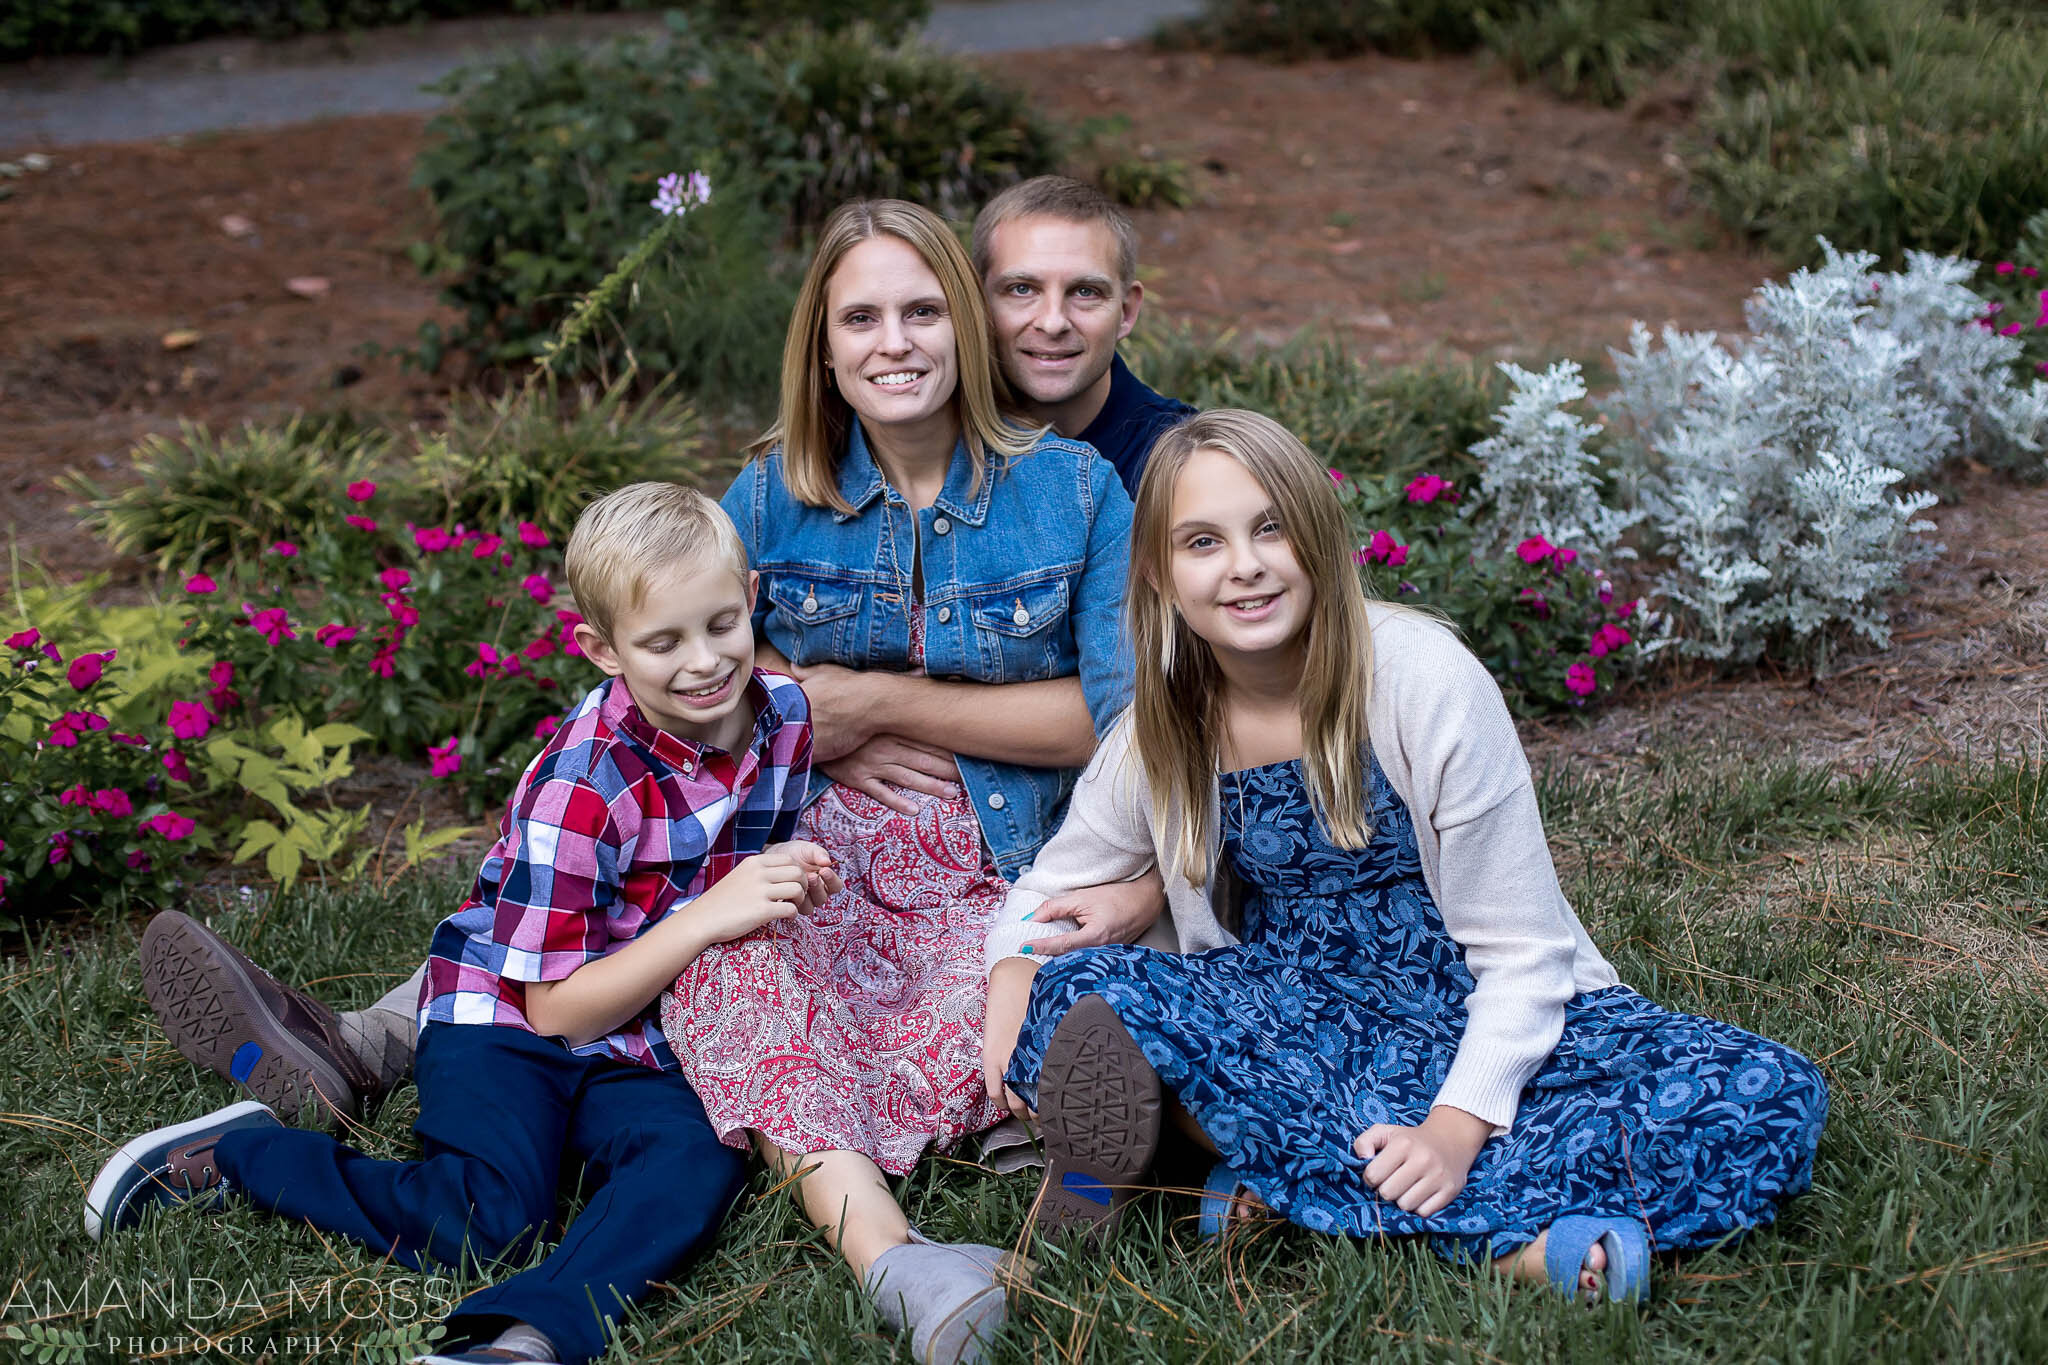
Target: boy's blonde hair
x=631 y=532
x=1177 y=698
x=814 y=420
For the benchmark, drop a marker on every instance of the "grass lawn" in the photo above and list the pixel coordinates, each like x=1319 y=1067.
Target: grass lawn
x=1889 y=926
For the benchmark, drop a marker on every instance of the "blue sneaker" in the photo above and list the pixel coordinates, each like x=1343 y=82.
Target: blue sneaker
x=166 y=1166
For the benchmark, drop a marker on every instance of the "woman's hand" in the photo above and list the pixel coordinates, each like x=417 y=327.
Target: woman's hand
x=1009 y=994
x=1422 y=1169
x=884 y=763
x=1118 y=912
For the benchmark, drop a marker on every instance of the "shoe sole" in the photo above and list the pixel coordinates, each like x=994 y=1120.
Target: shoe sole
x=214 y=1014
x=968 y=1331
x=1099 y=1107
x=140 y=1158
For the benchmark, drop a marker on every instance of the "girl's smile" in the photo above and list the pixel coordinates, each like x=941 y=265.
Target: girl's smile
x=1235 y=577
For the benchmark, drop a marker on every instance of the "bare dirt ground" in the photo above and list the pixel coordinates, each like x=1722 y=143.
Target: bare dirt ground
x=1416 y=209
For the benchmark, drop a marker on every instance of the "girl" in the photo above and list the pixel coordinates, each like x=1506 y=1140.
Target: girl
x=1410 y=1032
x=946 y=584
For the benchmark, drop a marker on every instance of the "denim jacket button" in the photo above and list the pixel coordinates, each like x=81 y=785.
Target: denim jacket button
x=995 y=801
x=940 y=526
x=945 y=615
x=1021 y=617
x=811 y=605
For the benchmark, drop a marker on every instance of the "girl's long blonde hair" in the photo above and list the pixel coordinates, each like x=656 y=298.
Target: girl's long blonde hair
x=814 y=419
x=1177 y=702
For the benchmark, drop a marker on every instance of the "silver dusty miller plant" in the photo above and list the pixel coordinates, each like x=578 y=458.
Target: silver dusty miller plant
x=1769 y=471
x=1540 y=474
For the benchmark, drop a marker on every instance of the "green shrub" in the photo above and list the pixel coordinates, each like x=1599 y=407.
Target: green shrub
x=1292 y=30
x=2016 y=285
x=542 y=169
x=1398 y=422
x=1137 y=177
x=205 y=498
x=1596 y=50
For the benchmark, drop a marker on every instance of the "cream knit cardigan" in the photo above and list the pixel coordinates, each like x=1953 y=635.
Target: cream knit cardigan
x=1445 y=741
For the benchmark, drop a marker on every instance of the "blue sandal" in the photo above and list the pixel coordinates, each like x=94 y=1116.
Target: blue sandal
x=1220 y=1194
x=1628 y=1255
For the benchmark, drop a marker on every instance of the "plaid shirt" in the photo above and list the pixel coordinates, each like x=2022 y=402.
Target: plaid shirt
x=612 y=826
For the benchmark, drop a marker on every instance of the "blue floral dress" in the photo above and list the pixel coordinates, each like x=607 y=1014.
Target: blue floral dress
x=1343 y=1007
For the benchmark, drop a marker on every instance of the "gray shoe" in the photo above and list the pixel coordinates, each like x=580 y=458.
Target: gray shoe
x=949 y=1296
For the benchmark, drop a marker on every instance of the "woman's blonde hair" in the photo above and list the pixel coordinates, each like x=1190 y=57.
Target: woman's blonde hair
x=1177 y=701
x=814 y=419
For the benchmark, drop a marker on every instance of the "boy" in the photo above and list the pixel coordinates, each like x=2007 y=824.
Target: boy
x=653 y=824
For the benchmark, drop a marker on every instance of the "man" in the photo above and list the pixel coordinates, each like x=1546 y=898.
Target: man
x=1059 y=263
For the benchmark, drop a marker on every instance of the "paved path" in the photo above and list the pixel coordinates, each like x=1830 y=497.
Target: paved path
x=244 y=83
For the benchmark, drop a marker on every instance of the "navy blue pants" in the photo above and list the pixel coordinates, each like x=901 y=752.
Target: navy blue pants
x=499 y=1108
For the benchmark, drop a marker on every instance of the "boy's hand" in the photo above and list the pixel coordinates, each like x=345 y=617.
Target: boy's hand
x=1422 y=1169
x=776 y=883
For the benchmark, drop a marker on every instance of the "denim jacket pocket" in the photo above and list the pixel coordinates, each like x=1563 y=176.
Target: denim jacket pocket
x=1019 y=631
x=812 y=620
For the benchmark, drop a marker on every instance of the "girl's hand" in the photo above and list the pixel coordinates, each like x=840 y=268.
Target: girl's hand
x=1119 y=912
x=1422 y=1169
x=1009 y=994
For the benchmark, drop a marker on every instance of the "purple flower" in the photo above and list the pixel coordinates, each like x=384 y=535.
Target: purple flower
x=675 y=194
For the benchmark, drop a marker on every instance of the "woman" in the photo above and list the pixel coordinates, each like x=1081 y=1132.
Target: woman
x=947 y=584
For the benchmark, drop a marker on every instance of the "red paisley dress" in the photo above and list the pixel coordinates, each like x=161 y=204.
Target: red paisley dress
x=857 y=1027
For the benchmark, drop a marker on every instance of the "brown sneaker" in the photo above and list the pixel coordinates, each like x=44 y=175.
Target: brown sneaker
x=1099 y=1113
x=229 y=1015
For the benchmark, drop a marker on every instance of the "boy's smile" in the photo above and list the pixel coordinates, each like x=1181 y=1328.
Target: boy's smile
x=685 y=652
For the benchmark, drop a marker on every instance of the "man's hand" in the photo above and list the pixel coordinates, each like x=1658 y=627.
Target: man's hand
x=1119 y=912
x=845 y=704
x=1422 y=1169
x=884 y=763
x=776 y=883
x=1009 y=994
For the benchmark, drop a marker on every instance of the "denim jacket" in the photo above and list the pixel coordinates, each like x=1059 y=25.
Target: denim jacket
x=1023 y=580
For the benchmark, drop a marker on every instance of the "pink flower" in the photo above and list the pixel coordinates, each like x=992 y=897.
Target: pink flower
x=86 y=669
x=223 y=697
x=1625 y=610
x=170 y=825
x=2011 y=329
x=189 y=720
x=134 y=741
x=537 y=587
x=201 y=585
x=486 y=547
x=335 y=634
x=547 y=726
x=272 y=623
x=2029 y=272
x=1607 y=639
x=362 y=490
x=540 y=647
x=73 y=795
x=110 y=801
x=1535 y=550
x=432 y=539
x=1579 y=679
x=176 y=766
x=443 y=758
x=402 y=611
x=1336 y=476
x=383 y=665
x=2003 y=268
x=284 y=549
x=65 y=730
x=1564 y=556
x=1427 y=488
x=60 y=847
x=360 y=523
x=25 y=639
x=1536 y=601
x=221 y=674
x=50 y=653
x=394 y=579
x=531 y=536
x=138 y=861
x=2042 y=321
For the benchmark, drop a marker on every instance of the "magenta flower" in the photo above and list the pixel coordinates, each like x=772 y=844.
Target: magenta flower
x=1427 y=488
x=134 y=741
x=176 y=766
x=547 y=726
x=2029 y=272
x=201 y=585
x=73 y=795
x=486 y=546
x=25 y=639
x=284 y=549
x=384 y=665
x=537 y=587
x=1563 y=556
x=394 y=579
x=60 y=846
x=1337 y=476
x=432 y=539
x=2011 y=329
x=362 y=490
x=1535 y=550
x=223 y=697
x=2003 y=268
x=272 y=623
x=402 y=611
x=360 y=523
x=335 y=634
x=1625 y=610
x=1579 y=680
x=2042 y=321
x=443 y=758
x=531 y=536
x=86 y=669
x=189 y=720
x=138 y=861
x=170 y=825
x=1607 y=639
x=540 y=647
x=110 y=801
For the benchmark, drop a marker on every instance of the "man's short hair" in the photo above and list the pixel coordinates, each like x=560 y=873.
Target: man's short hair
x=633 y=532
x=1057 y=196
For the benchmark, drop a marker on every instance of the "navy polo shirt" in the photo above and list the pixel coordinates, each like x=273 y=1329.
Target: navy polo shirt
x=1131 y=419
